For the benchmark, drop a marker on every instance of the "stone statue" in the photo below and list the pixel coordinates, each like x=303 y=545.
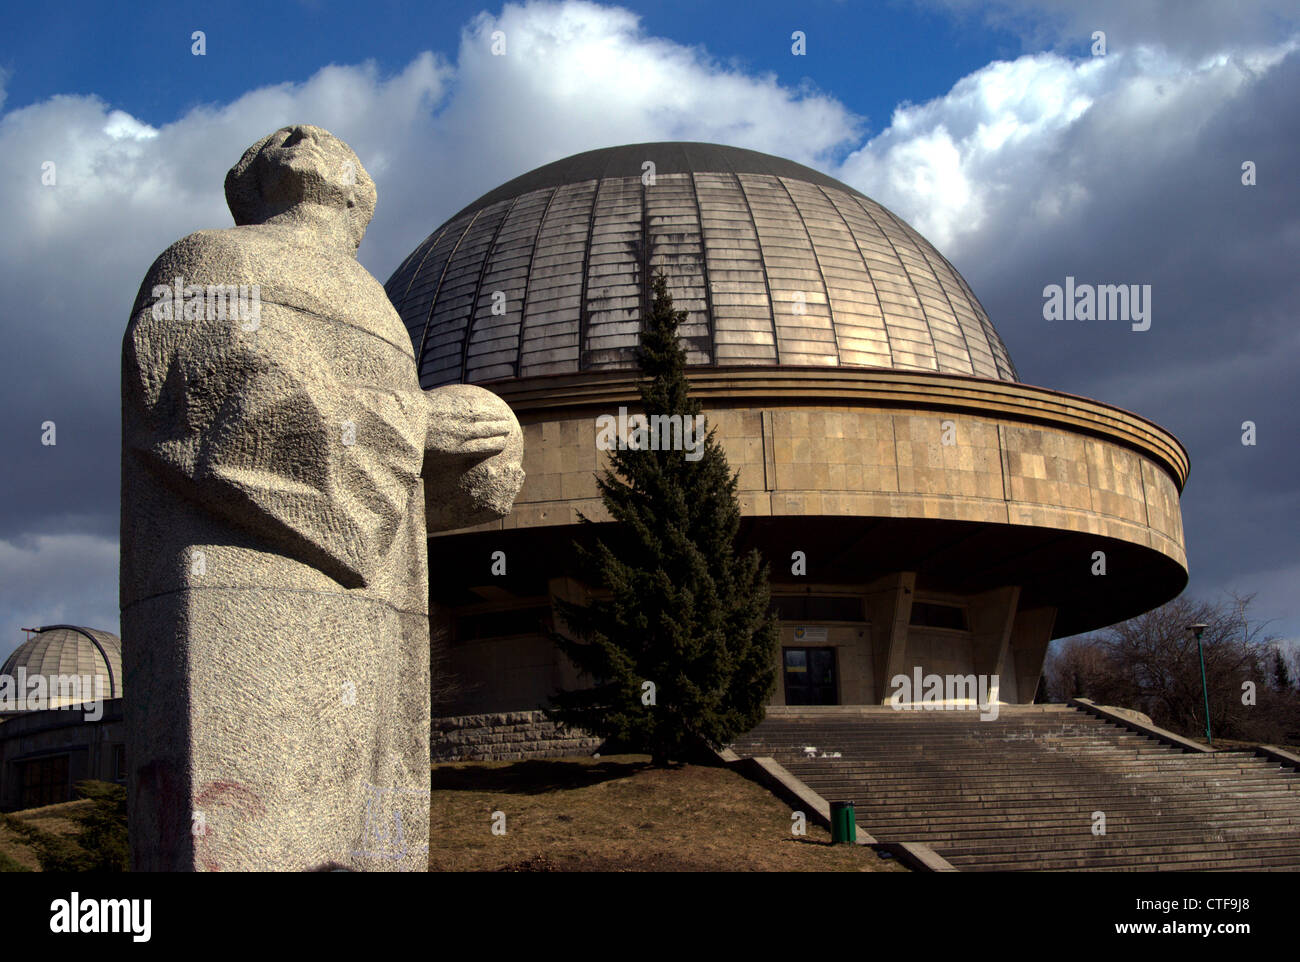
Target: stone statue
x=278 y=459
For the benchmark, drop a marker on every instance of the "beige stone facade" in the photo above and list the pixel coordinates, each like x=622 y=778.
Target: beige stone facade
x=992 y=499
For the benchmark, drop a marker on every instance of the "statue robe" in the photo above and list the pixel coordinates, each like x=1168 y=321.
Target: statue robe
x=274 y=571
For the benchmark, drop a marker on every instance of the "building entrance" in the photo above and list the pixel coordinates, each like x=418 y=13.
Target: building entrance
x=810 y=676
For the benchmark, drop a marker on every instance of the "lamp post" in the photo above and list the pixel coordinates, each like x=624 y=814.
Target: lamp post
x=1197 y=629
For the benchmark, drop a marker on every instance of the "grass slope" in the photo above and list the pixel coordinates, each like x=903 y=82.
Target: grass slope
x=620 y=814
x=576 y=814
x=21 y=832
x=85 y=835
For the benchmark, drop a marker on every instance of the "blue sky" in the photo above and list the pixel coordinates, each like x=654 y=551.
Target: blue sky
x=872 y=55
x=987 y=124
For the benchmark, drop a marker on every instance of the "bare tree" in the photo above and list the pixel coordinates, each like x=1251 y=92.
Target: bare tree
x=1151 y=663
x=1080 y=667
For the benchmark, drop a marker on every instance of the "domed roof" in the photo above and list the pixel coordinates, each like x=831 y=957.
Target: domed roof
x=70 y=650
x=776 y=264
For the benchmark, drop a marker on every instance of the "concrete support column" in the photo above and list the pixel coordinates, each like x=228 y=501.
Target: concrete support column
x=889 y=608
x=991 y=617
x=564 y=675
x=1029 y=639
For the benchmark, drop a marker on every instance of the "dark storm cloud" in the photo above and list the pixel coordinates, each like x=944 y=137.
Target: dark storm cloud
x=1128 y=170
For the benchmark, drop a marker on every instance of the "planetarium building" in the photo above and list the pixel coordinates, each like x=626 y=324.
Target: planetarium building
x=919 y=505
x=60 y=715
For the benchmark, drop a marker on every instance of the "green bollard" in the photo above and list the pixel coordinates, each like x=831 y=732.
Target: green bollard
x=844 y=826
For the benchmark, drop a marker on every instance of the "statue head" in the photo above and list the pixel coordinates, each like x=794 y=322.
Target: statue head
x=296 y=166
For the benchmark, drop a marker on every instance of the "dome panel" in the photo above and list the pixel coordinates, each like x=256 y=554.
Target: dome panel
x=774 y=263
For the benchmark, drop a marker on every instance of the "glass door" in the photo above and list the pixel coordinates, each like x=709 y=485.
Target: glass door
x=810 y=676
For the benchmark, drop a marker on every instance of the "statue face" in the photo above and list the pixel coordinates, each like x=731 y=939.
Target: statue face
x=298 y=165
x=306 y=163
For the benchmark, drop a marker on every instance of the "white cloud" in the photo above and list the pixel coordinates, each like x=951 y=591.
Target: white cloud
x=576 y=76
x=1024 y=166
x=1043 y=134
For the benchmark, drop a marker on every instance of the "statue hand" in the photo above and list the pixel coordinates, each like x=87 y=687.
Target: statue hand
x=479 y=438
x=473 y=464
x=468 y=422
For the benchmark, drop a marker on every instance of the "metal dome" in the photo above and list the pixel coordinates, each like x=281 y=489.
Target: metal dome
x=70 y=650
x=776 y=264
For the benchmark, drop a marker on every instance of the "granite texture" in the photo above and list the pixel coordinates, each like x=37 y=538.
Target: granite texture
x=276 y=467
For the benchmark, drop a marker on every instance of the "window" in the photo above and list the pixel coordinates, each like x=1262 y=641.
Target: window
x=119 y=763
x=503 y=624
x=818 y=607
x=45 y=781
x=930 y=614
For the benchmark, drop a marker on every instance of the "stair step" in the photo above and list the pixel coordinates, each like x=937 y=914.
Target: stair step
x=1017 y=793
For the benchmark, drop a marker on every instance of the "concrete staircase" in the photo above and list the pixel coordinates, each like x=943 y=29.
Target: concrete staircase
x=1019 y=792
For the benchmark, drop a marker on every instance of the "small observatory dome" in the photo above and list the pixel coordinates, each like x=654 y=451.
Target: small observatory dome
x=68 y=650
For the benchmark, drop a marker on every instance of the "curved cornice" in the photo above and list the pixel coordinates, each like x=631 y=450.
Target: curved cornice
x=536 y=397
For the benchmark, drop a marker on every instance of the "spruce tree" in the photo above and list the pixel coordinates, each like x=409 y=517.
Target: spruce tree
x=1281 y=674
x=676 y=606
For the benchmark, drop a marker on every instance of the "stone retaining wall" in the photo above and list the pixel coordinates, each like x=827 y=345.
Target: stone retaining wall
x=505 y=736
